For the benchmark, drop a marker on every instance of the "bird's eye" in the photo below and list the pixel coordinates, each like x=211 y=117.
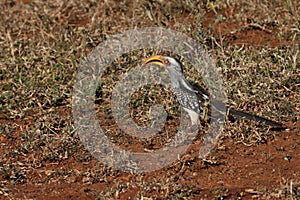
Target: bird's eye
x=166 y=62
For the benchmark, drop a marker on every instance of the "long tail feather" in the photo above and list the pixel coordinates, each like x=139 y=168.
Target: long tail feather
x=238 y=113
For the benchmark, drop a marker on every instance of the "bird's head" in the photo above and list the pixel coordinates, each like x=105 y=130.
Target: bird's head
x=164 y=61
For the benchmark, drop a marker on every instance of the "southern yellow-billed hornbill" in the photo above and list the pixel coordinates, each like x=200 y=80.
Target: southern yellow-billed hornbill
x=193 y=98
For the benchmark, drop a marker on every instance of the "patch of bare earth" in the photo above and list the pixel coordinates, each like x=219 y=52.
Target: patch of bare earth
x=41 y=154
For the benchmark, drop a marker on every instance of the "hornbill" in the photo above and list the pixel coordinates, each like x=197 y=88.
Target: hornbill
x=193 y=98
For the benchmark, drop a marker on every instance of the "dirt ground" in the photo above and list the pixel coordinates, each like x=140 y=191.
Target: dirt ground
x=255 y=43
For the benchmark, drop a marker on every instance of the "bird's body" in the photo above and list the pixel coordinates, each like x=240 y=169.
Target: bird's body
x=193 y=101
x=193 y=98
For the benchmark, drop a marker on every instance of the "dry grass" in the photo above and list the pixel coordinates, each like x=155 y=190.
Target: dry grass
x=256 y=44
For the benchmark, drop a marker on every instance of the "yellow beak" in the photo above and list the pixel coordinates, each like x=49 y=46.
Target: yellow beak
x=158 y=60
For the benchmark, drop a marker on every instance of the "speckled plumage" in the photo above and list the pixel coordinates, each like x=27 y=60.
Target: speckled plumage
x=194 y=99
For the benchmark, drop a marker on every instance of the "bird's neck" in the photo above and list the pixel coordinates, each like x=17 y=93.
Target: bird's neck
x=179 y=81
x=176 y=78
